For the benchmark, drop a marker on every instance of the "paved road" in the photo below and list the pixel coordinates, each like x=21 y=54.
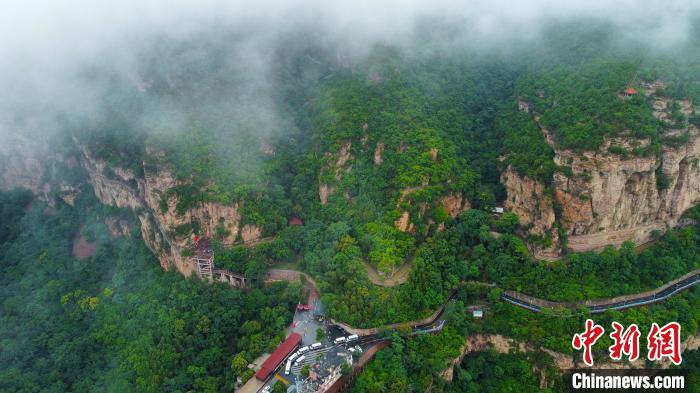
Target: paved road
x=536 y=305
x=435 y=323
x=620 y=303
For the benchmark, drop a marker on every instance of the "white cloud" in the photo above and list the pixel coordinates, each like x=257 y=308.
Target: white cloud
x=45 y=45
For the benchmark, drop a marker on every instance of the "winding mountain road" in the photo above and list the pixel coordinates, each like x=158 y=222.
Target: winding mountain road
x=601 y=305
x=536 y=304
x=371 y=336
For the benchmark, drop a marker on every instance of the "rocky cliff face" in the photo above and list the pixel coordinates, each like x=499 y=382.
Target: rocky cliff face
x=29 y=164
x=26 y=161
x=158 y=213
x=338 y=167
x=609 y=197
x=527 y=199
x=22 y=165
x=563 y=361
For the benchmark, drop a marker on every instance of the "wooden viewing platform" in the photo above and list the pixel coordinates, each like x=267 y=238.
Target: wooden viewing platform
x=203 y=258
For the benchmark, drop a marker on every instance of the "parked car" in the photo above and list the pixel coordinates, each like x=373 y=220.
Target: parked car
x=339 y=340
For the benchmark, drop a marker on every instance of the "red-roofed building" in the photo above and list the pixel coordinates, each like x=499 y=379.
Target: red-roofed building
x=295 y=221
x=274 y=361
x=630 y=91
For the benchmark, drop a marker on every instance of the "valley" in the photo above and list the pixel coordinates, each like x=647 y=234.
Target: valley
x=278 y=207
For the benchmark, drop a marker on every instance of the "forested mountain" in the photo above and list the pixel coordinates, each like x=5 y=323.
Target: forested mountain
x=378 y=175
x=114 y=321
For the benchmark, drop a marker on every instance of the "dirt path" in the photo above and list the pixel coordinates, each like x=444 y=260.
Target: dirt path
x=644 y=246
x=273 y=275
x=256 y=242
x=399 y=277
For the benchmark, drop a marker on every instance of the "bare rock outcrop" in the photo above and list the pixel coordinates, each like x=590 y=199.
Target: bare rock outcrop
x=378 y=153
x=27 y=161
x=117 y=227
x=434 y=154
x=524 y=106
x=403 y=223
x=527 y=199
x=336 y=164
x=562 y=361
x=267 y=148
x=250 y=233
x=23 y=162
x=324 y=191
x=343 y=158
x=454 y=204
x=480 y=343
x=609 y=197
x=157 y=209
x=68 y=193
x=215 y=219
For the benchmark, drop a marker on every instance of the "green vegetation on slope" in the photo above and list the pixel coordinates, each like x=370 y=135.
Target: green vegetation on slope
x=505 y=261
x=115 y=321
x=465 y=108
x=443 y=124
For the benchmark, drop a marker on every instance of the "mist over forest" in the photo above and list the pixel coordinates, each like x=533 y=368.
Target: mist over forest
x=405 y=155
x=64 y=57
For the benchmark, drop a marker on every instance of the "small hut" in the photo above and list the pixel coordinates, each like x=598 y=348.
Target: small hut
x=629 y=92
x=295 y=221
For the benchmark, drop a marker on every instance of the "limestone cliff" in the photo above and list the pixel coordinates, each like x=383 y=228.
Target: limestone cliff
x=527 y=199
x=22 y=164
x=453 y=204
x=337 y=167
x=563 y=361
x=157 y=209
x=27 y=161
x=612 y=195
x=31 y=163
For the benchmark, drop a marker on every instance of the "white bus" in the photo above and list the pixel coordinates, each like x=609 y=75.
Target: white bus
x=294 y=356
x=353 y=337
x=315 y=346
x=301 y=359
x=303 y=350
x=339 y=340
x=288 y=367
